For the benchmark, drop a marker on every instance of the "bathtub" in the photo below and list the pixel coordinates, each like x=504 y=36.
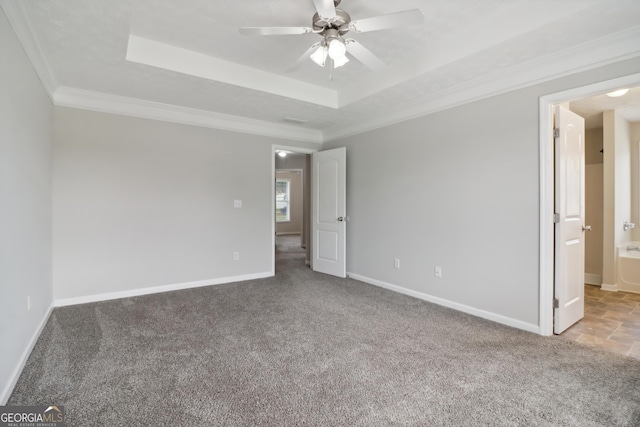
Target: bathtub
x=629 y=267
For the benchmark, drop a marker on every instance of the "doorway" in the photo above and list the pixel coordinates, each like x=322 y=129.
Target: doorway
x=547 y=192
x=291 y=200
x=292 y=164
x=607 y=320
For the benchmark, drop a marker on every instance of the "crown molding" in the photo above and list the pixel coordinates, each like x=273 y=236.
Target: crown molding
x=106 y=103
x=19 y=19
x=597 y=53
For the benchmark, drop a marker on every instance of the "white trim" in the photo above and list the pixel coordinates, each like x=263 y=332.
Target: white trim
x=546 y=218
x=174 y=58
x=8 y=389
x=597 y=53
x=608 y=287
x=114 y=104
x=274 y=148
x=157 y=289
x=288 y=233
x=19 y=19
x=547 y=189
x=530 y=327
x=593 y=279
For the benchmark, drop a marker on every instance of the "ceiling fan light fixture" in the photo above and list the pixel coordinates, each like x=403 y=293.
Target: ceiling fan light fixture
x=337 y=49
x=320 y=55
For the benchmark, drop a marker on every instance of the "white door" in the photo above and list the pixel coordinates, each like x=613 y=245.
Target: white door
x=569 y=230
x=329 y=212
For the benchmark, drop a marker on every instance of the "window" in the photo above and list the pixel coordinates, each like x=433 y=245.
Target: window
x=283 y=190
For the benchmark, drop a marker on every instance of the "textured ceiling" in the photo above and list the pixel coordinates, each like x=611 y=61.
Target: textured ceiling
x=84 y=43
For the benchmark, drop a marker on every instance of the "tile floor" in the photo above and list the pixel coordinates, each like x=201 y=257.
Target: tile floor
x=611 y=320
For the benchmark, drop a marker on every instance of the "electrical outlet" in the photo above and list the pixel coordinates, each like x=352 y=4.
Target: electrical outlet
x=237 y=203
x=28 y=303
x=437 y=271
x=236 y=256
x=396 y=263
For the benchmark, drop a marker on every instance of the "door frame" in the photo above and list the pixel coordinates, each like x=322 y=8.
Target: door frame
x=274 y=149
x=547 y=189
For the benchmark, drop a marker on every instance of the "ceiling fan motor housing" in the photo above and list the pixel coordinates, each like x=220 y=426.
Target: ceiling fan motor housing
x=340 y=23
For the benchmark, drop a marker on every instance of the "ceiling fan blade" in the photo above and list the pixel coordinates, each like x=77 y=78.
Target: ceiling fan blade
x=274 y=31
x=363 y=55
x=384 y=22
x=304 y=57
x=325 y=8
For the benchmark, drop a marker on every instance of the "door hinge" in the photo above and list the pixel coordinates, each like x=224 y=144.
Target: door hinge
x=556 y=132
x=556 y=303
x=556 y=218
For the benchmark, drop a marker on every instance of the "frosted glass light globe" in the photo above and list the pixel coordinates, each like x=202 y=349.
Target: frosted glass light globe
x=319 y=56
x=337 y=49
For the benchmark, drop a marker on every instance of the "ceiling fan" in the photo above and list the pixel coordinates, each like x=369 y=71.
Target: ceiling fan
x=332 y=24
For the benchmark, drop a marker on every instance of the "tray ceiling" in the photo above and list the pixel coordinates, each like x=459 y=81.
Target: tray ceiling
x=188 y=56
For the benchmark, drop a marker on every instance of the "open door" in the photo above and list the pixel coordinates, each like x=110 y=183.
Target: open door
x=569 y=219
x=328 y=230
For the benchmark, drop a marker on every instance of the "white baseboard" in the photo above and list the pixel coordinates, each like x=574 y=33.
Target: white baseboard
x=450 y=304
x=157 y=289
x=609 y=287
x=593 y=279
x=629 y=287
x=287 y=233
x=8 y=389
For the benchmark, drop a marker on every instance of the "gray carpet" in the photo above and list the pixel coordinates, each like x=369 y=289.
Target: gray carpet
x=306 y=349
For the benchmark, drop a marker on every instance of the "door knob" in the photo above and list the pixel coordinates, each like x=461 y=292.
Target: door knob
x=340 y=219
x=586 y=228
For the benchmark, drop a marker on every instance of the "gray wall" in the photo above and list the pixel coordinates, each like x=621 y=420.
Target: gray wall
x=141 y=203
x=25 y=205
x=457 y=189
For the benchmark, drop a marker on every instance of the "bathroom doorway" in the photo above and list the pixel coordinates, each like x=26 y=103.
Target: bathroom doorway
x=612 y=319
x=547 y=253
